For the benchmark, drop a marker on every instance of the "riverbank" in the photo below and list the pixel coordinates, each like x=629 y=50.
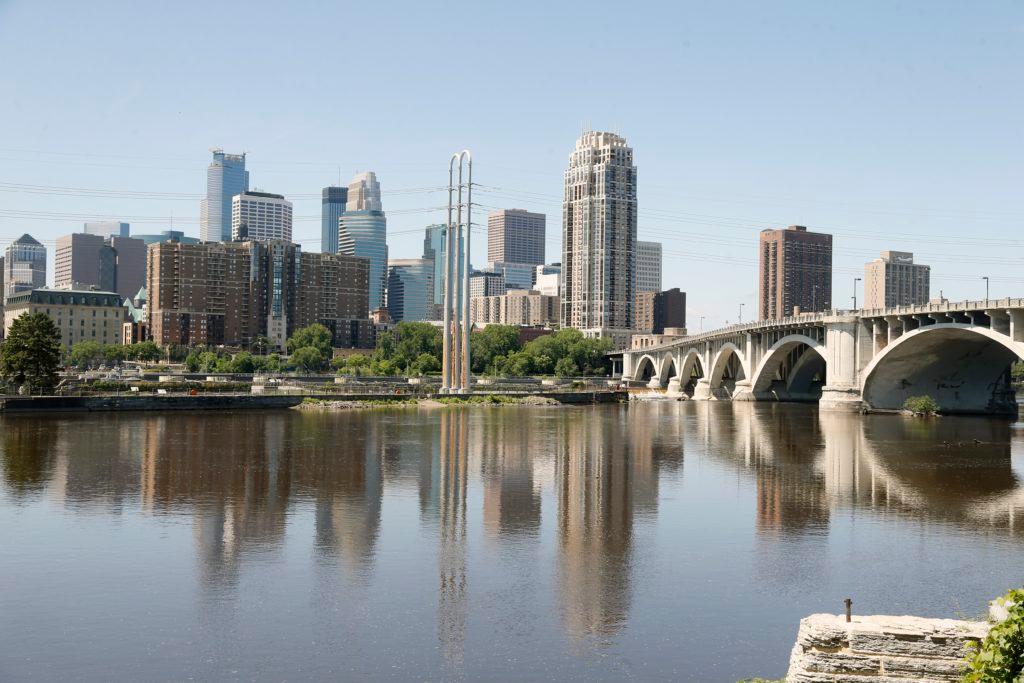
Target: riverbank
x=442 y=402
x=30 y=405
x=33 y=405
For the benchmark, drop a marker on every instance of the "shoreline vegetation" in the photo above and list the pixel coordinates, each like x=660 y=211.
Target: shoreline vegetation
x=310 y=403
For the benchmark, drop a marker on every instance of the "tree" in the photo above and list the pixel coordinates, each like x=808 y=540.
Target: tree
x=31 y=353
x=86 y=354
x=208 y=361
x=260 y=345
x=315 y=335
x=491 y=342
x=273 y=363
x=565 y=367
x=308 y=359
x=424 y=364
x=146 y=351
x=242 y=363
x=115 y=353
x=192 y=361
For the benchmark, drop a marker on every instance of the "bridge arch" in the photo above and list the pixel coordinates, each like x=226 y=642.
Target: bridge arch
x=692 y=369
x=668 y=370
x=727 y=369
x=646 y=368
x=963 y=367
x=793 y=368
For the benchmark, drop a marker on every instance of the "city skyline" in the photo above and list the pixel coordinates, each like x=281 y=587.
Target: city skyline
x=922 y=172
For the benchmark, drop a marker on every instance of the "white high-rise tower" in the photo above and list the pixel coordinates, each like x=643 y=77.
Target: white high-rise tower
x=598 y=237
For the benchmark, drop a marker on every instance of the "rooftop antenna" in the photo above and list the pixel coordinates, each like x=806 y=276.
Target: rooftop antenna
x=339 y=175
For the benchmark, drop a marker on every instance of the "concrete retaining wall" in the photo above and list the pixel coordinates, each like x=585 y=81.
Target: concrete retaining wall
x=876 y=649
x=78 y=404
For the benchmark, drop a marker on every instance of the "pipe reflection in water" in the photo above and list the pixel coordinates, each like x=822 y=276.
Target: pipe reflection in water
x=451 y=556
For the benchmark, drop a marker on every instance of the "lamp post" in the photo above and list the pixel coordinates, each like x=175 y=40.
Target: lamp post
x=855 y=281
x=702 y=324
x=985 y=278
x=740 y=319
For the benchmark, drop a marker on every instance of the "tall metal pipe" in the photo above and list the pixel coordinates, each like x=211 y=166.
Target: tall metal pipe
x=457 y=385
x=466 y=324
x=455 y=363
x=447 y=330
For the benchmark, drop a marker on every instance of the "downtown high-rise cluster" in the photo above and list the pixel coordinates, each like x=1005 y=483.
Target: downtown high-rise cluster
x=245 y=278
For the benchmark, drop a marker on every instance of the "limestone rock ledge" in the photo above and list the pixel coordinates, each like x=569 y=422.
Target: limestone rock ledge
x=881 y=649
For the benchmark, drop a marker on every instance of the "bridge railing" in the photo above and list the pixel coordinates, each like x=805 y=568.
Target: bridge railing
x=942 y=307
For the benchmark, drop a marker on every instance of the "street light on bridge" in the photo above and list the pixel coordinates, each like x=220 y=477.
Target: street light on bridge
x=855 y=281
x=985 y=278
x=740 y=319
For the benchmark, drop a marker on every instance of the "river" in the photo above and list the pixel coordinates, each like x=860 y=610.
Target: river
x=651 y=541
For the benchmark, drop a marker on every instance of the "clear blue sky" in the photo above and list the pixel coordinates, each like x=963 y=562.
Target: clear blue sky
x=892 y=125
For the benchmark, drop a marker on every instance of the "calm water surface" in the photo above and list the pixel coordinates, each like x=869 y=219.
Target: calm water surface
x=651 y=541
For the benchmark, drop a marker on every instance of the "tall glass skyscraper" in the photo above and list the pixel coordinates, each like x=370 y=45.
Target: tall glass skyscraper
x=225 y=177
x=363 y=231
x=332 y=206
x=434 y=248
x=410 y=283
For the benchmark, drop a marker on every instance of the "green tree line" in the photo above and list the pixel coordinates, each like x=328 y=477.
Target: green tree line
x=415 y=349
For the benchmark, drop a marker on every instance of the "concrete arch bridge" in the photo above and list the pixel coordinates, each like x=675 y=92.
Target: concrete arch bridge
x=958 y=353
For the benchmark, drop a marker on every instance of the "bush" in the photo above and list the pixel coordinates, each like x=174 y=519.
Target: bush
x=921 y=405
x=1000 y=657
x=1017 y=372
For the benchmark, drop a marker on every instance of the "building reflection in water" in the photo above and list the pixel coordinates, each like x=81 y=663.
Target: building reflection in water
x=347 y=483
x=232 y=472
x=511 y=496
x=28 y=456
x=606 y=474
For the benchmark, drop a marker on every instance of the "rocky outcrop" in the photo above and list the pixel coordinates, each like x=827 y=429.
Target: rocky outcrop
x=881 y=649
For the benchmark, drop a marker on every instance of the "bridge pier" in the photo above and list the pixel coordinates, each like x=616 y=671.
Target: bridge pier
x=702 y=392
x=844 y=399
x=743 y=391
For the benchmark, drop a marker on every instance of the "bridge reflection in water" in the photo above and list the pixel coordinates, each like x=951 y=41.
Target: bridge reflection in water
x=503 y=516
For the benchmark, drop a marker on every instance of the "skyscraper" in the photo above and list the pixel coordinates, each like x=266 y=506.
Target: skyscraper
x=434 y=248
x=363 y=231
x=410 y=289
x=599 y=236
x=648 y=266
x=656 y=311
x=895 y=280
x=545 y=278
x=261 y=217
x=114 y=264
x=230 y=293
x=225 y=177
x=107 y=229
x=3 y=275
x=515 y=236
x=795 y=272
x=332 y=205
x=25 y=264
x=129 y=265
x=81 y=261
